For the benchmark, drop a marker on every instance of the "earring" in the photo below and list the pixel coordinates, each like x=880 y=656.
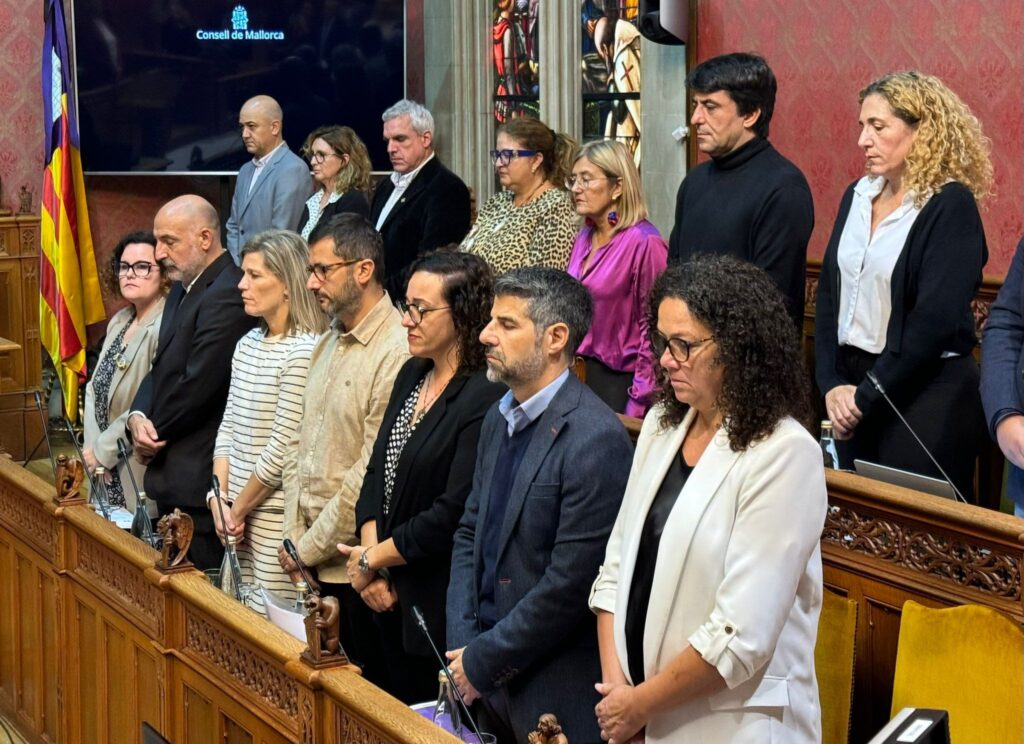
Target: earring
x=286 y=297
x=613 y=218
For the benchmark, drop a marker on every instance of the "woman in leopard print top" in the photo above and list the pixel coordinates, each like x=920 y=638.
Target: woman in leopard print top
x=531 y=222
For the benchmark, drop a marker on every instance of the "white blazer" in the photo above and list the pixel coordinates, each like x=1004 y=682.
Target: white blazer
x=738 y=577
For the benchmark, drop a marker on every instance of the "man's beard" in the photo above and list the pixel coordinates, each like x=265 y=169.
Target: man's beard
x=347 y=301
x=518 y=372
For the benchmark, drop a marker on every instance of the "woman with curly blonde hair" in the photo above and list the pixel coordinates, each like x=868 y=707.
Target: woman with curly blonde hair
x=897 y=280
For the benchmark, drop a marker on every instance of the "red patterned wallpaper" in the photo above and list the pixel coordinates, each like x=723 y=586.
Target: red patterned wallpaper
x=824 y=52
x=21 y=149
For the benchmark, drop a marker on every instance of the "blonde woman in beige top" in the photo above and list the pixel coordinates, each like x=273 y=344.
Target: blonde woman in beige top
x=531 y=222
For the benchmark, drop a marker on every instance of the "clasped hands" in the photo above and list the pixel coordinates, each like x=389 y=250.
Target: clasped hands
x=145 y=440
x=621 y=715
x=233 y=523
x=374 y=589
x=841 y=405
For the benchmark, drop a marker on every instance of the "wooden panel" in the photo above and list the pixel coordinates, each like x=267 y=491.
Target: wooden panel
x=30 y=671
x=12 y=326
x=209 y=715
x=7 y=625
x=149 y=688
x=89 y=686
x=200 y=718
x=49 y=625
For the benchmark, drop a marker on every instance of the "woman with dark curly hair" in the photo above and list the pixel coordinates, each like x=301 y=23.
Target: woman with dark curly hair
x=709 y=595
x=127 y=354
x=421 y=468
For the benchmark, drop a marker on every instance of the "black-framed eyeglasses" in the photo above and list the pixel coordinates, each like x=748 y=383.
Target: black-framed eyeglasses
x=585 y=182
x=679 y=348
x=416 y=312
x=320 y=157
x=140 y=269
x=320 y=271
x=504 y=157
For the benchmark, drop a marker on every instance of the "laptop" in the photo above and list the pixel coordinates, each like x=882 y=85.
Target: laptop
x=905 y=478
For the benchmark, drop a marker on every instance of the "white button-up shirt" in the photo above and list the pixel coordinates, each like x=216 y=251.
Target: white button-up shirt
x=401 y=181
x=866 y=262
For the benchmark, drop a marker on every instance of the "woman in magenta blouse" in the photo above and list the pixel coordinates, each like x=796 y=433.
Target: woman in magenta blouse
x=617 y=256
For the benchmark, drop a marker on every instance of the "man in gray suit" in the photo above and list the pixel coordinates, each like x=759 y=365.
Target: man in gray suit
x=551 y=469
x=272 y=188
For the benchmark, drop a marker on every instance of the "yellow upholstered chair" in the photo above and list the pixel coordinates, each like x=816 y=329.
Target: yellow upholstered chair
x=834 y=655
x=967 y=660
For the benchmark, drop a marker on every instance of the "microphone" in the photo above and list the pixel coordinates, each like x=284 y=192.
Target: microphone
x=289 y=548
x=422 y=623
x=878 y=386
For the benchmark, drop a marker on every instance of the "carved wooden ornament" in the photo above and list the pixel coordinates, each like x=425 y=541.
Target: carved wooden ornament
x=323 y=640
x=70 y=475
x=176 y=530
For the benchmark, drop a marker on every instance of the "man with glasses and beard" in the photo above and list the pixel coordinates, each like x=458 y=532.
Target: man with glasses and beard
x=551 y=469
x=351 y=373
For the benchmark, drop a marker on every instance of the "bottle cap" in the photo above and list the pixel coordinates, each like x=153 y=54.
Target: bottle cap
x=826 y=424
x=442 y=677
x=302 y=586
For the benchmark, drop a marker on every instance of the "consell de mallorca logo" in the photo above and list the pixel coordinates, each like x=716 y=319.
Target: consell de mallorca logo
x=239 y=30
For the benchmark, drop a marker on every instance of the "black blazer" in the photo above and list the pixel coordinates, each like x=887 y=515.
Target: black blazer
x=434 y=477
x=433 y=211
x=185 y=391
x=932 y=285
x=357 y=202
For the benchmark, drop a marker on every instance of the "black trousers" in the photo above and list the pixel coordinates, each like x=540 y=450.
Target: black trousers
x=411 y=678
x=943 y=406
x=609 y=385
x=206 y=550
x=358 y=634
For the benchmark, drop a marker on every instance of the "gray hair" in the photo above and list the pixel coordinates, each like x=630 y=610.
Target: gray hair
x=420 y=118
x=552 y=296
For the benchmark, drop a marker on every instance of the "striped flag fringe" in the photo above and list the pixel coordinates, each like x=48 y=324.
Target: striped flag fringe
x=69 y=287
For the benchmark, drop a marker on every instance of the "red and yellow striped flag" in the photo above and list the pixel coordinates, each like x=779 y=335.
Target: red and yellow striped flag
x=69 y=288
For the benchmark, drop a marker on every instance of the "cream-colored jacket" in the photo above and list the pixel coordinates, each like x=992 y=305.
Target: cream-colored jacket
x=136 y=361
x=738 y=578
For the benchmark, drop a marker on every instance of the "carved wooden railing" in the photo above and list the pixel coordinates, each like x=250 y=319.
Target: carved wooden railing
x=94 y=641
x=883 y=545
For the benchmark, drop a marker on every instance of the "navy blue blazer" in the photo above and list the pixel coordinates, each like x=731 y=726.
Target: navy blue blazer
x=563 y=503
x=186 y=390
x=1002 y=360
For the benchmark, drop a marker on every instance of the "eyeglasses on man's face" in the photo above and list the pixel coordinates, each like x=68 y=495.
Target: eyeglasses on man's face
x=679 y=348
x=320 y=271
x=504 y=157
x=139 y=269
x=585 y=181
x=416 y=312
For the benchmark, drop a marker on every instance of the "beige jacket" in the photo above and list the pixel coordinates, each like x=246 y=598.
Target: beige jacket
x=347 y=390
x=137 y=359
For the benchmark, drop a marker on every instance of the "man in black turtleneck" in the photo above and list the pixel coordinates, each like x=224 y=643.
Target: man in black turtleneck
x=747 y=201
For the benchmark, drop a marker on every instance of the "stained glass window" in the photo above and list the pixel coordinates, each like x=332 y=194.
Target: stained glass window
x=611 y=72
x=516 y=59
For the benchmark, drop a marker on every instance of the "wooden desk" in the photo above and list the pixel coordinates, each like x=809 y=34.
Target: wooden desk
x=94 y=641
x=883 y=545
x=7 y=345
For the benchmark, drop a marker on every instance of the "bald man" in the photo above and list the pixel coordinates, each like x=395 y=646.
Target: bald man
x=272 y=188
x=179 y=405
